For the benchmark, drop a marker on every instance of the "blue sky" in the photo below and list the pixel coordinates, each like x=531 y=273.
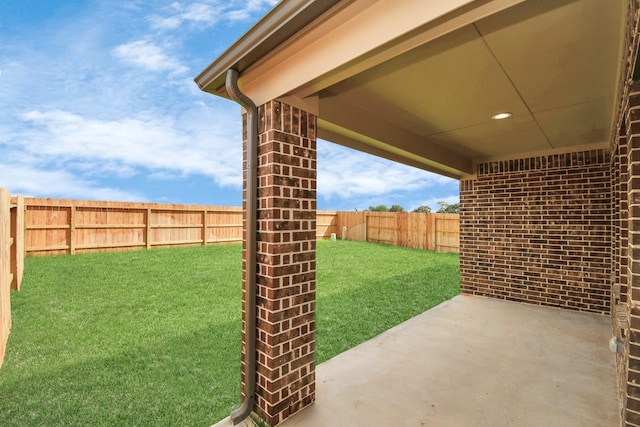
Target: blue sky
x=98 y=102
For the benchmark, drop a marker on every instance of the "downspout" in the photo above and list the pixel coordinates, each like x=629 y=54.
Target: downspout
x=251 y=208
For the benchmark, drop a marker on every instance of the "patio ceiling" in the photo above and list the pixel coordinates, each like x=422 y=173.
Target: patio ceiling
x=418 y=82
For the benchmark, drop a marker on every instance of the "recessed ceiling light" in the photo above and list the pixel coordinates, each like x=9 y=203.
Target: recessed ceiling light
x=501 y=116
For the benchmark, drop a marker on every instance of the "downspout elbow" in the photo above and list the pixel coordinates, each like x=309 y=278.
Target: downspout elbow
x=251 y=223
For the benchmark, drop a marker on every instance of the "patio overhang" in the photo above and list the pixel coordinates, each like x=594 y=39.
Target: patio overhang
x=418 y=82
x=546 y=194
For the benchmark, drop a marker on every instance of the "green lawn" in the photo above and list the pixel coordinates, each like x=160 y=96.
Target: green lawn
x=153 y=337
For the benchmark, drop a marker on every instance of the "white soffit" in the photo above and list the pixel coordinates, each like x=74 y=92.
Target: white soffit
x=552 y=63
x=338 y=45
x=452 y=82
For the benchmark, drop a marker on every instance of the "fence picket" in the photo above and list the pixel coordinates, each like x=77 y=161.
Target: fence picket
x=6 y=274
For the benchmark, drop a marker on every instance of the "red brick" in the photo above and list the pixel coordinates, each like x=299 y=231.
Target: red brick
x=286 y=261
x=530 y=225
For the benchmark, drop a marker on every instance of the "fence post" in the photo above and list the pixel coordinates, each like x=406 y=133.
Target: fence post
x=148 y=229
x=72 y=229
x=433 y=243
x=17 y=250
x=402 y=229
x=5 y=262
x=366 y=226
x=13 y=219
x=205 y=226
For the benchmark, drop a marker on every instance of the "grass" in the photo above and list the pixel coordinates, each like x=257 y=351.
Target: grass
x=153 y=337
x=363 y=289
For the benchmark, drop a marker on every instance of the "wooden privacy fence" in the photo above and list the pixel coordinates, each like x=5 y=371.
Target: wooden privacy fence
x=54 y=226
x=11 y=259
x=433 y=232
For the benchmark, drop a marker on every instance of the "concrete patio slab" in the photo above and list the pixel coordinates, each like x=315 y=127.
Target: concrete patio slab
x=473 y=361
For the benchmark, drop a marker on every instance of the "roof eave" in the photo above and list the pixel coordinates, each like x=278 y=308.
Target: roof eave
x=284 y=20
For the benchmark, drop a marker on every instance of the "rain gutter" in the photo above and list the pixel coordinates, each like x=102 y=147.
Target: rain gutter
x=283 y=21
x=250 y=245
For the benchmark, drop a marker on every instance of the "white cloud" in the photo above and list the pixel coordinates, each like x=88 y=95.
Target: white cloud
x=248 y=8
x=346 y=173
x=208 y=14
x=179 y=13
x=25 y=180
x=197 y=143
x=149 y=56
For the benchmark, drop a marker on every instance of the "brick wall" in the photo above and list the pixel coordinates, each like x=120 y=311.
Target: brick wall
x=619 y=261
x=286 y=261
x=538 y=230
x=627 y=321
x=625 y=149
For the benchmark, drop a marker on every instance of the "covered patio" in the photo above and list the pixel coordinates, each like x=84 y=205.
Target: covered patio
x=467 y=362
x=534 y=107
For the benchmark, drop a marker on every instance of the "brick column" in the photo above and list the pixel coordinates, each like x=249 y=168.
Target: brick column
x=286 y=261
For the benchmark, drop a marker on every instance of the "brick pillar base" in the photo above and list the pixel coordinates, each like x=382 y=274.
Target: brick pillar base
x=286 y=261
